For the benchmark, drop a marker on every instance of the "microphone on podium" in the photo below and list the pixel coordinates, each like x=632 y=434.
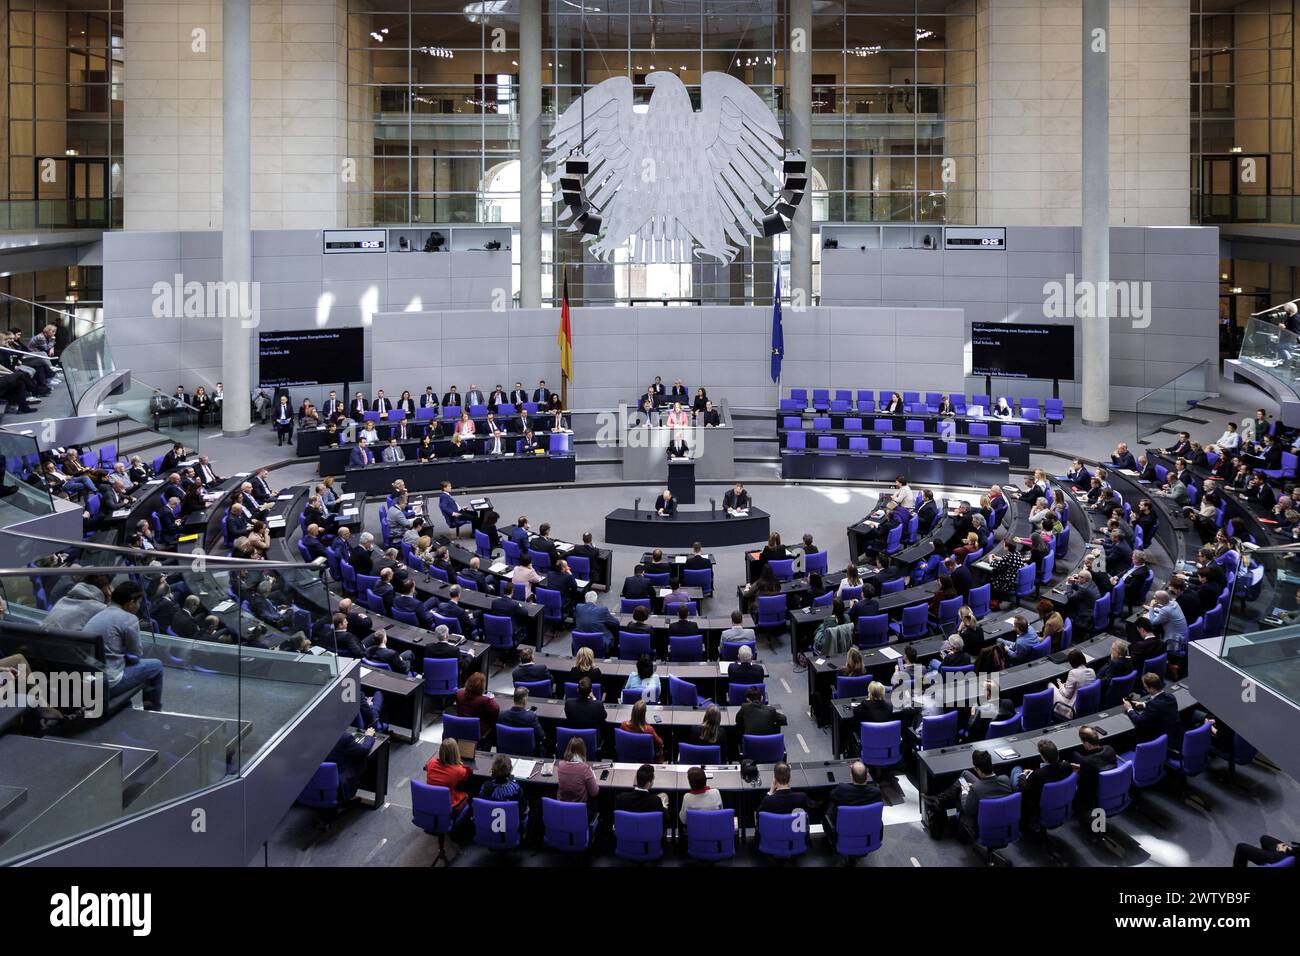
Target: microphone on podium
x=713 y=507
x=636 y=505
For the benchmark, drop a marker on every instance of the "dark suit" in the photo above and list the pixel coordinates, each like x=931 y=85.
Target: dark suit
x=528 y=673
x=584 y=714
x=638 y=801
x=853 y=795
x=361 y=457
x=926 y=516
x=1031 y=786
x=350 y=757
x=638 y=586
x=669 y=506
x=1159 y=716
x=678 y=449
x=451 y=398
x=784 y=801
x=1091 y=764
x=758 y=719
x=748 y=672
x=730 y=501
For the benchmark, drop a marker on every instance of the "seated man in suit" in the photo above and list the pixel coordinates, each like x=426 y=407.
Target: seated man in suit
x=586 y=549
x=638 y=585
x=362 y=557
x=745 y=670
x=518 y=394
x=1157 y=715
x=974 y=785
x=452 y=608
x=781 y=799
x=450 y=509
x=656 y=563
x=451 y=397
x=1079 y=476
x=696 y=560
x=520 y=534
x=860 y=792
x=529 y=670
x=736 y=500
x=503 y=606
x=561 y=579
x=429 y=399
x=498 y=399
x=530 y=444
x=927 y=514
x=312 y=543
x=1093 y=759
x=584 y=712
x=737 y=633
x=544 y=543
x=404 y=598
x=683 y=626
x=1122 y=458
x=473 y=396
x=756 y=718
x=666 y=504
x=711 y=417
x=1030 y=782
x=640 y=799
x=393 y=452
x=361 y=455
x=519 y=715
x=541 y=394
x=591 y=617
x=377 y=650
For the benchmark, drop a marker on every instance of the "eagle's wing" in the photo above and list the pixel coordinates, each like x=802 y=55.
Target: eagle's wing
x=742 y=142
x=611 y=129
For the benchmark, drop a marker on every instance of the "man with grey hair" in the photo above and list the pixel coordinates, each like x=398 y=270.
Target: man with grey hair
x=745 y=670
x=591 y=617
x=1119 y=664
x=1081 y=598
x=362 y=556
x=1167 y=615
x=443 y=649
x=952 y=653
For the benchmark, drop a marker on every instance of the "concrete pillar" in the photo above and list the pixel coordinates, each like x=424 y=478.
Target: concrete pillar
x=1096 y=209
x=799 y=110
x=236 y=212
x=530 y=154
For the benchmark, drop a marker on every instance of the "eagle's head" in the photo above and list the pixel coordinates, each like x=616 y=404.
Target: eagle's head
x=668 y=90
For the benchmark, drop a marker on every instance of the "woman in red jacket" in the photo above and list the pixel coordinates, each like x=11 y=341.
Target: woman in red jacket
x=636 y=725
x=446 y=770
x=472 y=701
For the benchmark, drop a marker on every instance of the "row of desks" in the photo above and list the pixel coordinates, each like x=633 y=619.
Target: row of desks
x=936 y=769
x=1013 y=683
x=1035 y=432
x=816 y=778
x=1015 y=450
x=465 y=472
x=932 y=469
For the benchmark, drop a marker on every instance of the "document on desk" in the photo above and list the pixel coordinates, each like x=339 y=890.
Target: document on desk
x=223 y=607
x=500 y=567
x=663 y=592
x=365 y=671
x=523 y=768
x=679 y=559
x=284 y=497
x=722 y=668
x=349 y=512
x=889 y=653
x=1007 y=753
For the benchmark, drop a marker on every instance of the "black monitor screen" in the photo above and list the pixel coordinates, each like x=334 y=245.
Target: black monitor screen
x=1022 y=351
x=315 y=357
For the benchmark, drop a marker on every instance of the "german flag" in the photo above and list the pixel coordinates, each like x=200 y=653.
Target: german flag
x=565 y=336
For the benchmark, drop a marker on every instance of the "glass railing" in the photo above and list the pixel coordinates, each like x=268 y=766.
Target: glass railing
x=1171 y=401
x=142 y=404
x=35 y=214
x=1269 y=658
x=19 y=499
x=229 y=655
x=85 y=361
x=1272 y=349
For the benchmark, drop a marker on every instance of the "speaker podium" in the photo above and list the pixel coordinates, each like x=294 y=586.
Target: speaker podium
x=681 y=480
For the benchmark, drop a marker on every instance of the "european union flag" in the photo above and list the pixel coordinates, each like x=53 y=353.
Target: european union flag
x=778 y=337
